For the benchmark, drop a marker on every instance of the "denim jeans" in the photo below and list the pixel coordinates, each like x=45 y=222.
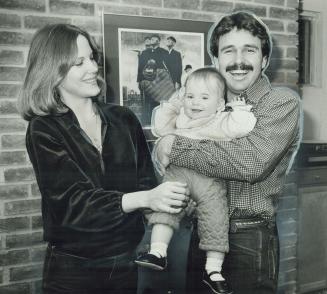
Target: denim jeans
x=66 y=273
x=250 y=267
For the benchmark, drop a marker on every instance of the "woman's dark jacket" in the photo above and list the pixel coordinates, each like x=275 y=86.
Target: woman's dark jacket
x=82 y=190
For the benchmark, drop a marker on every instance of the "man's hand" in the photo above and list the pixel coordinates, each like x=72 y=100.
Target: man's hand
x=162 y=152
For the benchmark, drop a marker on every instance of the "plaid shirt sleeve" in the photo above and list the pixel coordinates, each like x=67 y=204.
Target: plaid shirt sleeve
x=251 y=158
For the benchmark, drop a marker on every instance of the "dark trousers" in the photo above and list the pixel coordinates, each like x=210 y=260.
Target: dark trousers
x=250 y=267
x=66 y=273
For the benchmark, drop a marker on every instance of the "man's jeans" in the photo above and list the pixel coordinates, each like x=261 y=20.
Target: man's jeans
x=250 y=267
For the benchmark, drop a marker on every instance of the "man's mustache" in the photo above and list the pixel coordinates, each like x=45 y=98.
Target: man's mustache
x=240 y=66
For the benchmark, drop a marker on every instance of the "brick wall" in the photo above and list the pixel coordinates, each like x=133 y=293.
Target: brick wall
x=21 y=246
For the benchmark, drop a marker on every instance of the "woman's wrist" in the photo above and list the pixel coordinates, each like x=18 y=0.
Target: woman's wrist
x=135 y=200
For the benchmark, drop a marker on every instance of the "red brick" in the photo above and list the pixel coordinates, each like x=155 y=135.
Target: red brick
x=276 y=77
x=292 y=52
x=286 y=276
x=37 y=254
x=288 y=252
x=182 y=4
x=13 y=257
x=35 y=189
x=293 y=27
x=22 y=207
x=9 y=21
x=35 y=5
x=293 y=3
x=11 y=125
x=37 y=222
x=287 y=264
x=156 y=3
x=259 y=10
x=199 y=16
x=274 y=25
x=10 y=57
x=24 y=240
x=14 y=224
x=278 y=64
x=217 y=6
x=36 y=22
x=71 y=7
x=1 y=278
x=12 y=157
x=271 y=2
x=8 y=107
x=9 y=91
x=19 y=174
x=21 y=288
x=13 y=141
x=288 y=202
x=90 y=25
x=288 y=240
x=14 y=38
x=283 y=13
x=15 y=74
x=156 y=12
x=13 y=191
x=117 y=9
x=25 y=272
x=292 y=77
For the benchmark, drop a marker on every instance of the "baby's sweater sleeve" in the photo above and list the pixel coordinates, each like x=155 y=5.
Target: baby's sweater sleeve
x=240 y=121
x=164 y=117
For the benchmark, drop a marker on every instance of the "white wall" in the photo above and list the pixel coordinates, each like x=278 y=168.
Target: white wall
x=315 y=97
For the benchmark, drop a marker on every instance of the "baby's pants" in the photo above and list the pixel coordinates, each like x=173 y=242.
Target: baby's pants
x=211 y=209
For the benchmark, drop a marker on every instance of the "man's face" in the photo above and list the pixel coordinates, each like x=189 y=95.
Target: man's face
x=170 y=43
x=240 y=59
x=155 y=41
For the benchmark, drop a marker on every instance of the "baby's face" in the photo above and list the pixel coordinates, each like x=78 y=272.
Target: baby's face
x=201 y=101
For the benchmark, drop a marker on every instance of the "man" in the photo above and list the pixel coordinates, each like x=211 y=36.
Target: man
x=254 y=166
x=187 y=71
x=174 y=62
x=153 y=57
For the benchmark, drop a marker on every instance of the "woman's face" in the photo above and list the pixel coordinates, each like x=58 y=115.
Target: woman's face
x=81 y=79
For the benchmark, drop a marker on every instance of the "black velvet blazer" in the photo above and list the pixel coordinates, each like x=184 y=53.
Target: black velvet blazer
x=82 y=189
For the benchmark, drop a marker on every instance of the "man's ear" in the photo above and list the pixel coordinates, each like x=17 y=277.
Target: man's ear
x=215 y=62
x=264 y=63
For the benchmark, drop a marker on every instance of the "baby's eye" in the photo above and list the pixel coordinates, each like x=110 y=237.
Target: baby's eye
x=189 y=96
x=251 y=50
x=205 y=97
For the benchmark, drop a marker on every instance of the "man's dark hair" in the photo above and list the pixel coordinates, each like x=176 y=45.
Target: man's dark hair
x=171 y=38
x=156 y=36
x=241 y=21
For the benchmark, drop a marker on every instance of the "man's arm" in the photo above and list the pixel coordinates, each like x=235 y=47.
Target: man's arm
x=250 y=158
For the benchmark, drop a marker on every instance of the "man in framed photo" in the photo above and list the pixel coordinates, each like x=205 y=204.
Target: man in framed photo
x=174 y=62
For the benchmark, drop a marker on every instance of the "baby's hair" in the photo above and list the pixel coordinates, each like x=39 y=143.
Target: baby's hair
x=211 y=76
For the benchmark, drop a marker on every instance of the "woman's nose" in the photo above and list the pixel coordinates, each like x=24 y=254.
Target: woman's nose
x=92 y=65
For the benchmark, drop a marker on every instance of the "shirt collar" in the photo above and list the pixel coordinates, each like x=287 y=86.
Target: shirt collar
x=253 y=94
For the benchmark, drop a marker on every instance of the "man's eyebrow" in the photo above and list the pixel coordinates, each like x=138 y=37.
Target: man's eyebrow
x=233 y=46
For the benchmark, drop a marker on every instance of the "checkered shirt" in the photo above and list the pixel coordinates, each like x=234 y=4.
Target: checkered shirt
x=254 y=166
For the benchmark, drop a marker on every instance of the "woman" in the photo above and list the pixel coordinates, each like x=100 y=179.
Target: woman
x=92 y=166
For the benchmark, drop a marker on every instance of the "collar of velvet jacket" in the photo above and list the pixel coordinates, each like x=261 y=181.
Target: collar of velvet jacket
x=70 y=119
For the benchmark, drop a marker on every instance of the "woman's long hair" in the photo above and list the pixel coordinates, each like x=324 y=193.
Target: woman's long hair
x=52 y=53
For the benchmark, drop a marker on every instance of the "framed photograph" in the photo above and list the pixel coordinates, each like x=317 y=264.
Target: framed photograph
x=147 y=59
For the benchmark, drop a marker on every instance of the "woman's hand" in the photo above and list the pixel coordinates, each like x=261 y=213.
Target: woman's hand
x=170 y=197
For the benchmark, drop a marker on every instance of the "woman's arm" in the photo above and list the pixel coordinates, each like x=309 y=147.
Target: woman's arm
x=72 y=196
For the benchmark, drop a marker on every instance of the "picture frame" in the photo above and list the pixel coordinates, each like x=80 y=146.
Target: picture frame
x=123 y=44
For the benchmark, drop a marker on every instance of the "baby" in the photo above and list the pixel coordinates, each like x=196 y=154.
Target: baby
x=199 y=113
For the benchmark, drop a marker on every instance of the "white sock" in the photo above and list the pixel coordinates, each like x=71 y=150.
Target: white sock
x=214 y=265
x=159 y=249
